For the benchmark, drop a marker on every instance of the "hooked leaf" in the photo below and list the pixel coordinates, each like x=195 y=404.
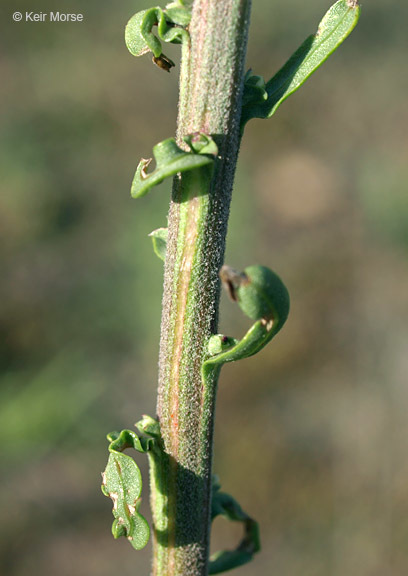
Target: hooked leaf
x=225 y=505
x=170 y=159
x=170 y=24
x=263 y=295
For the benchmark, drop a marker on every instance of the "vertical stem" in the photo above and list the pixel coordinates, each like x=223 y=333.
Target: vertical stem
x=210 y=101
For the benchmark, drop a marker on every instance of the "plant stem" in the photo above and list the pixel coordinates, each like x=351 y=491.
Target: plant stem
x=211 y=85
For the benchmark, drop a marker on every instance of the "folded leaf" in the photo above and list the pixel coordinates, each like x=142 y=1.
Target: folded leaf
x=170 y=24
x=225 y=505
x=170 y=159
x=263 y=297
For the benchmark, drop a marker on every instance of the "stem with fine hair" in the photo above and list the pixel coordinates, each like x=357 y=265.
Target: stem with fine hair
x=211 y=84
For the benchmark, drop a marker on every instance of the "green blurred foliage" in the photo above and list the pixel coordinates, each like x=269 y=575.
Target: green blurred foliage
x=311 y=435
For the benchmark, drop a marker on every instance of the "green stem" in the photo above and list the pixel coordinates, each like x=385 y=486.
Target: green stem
x=211 y=84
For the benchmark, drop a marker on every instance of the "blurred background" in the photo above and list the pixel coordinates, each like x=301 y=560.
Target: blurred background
x=312 y=435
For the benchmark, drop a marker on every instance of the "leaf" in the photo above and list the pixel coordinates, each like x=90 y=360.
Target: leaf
x=336 y=25
x=260 y=293
x=225 y=505
x=135 y=42
x=254 y=88
x=263 y=297
x=122 y=482
x=201 y=143
x=170 y=159
x=225 y=560
x=149 y=425
x=119 y=441
x=170 y=23
x=159 y=240
x=178 y=14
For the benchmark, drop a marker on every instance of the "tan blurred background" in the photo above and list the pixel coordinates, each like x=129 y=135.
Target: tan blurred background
x=312 y=434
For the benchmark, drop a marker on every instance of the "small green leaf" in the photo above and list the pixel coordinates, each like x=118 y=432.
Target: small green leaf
x=260 y=293
x=153 y=17
x=148 y=425
x=159 y=240
x=170 y=159
x=263 y=297
x=119 y=441
x=336 y=25
x=201 y=143
x=219 y=343
x=225 y=505
x=122 y=482
x=135 y=42
x=178 y=14
x=254 y=88
x=170 y=24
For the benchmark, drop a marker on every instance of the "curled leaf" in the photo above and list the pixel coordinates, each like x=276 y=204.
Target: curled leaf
x=336 y=25
x=225 y=505
x=170 y=159
x=263 y=297
x=201 y=143
x=260 y=293
x=120 y=441
x=170 y=22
